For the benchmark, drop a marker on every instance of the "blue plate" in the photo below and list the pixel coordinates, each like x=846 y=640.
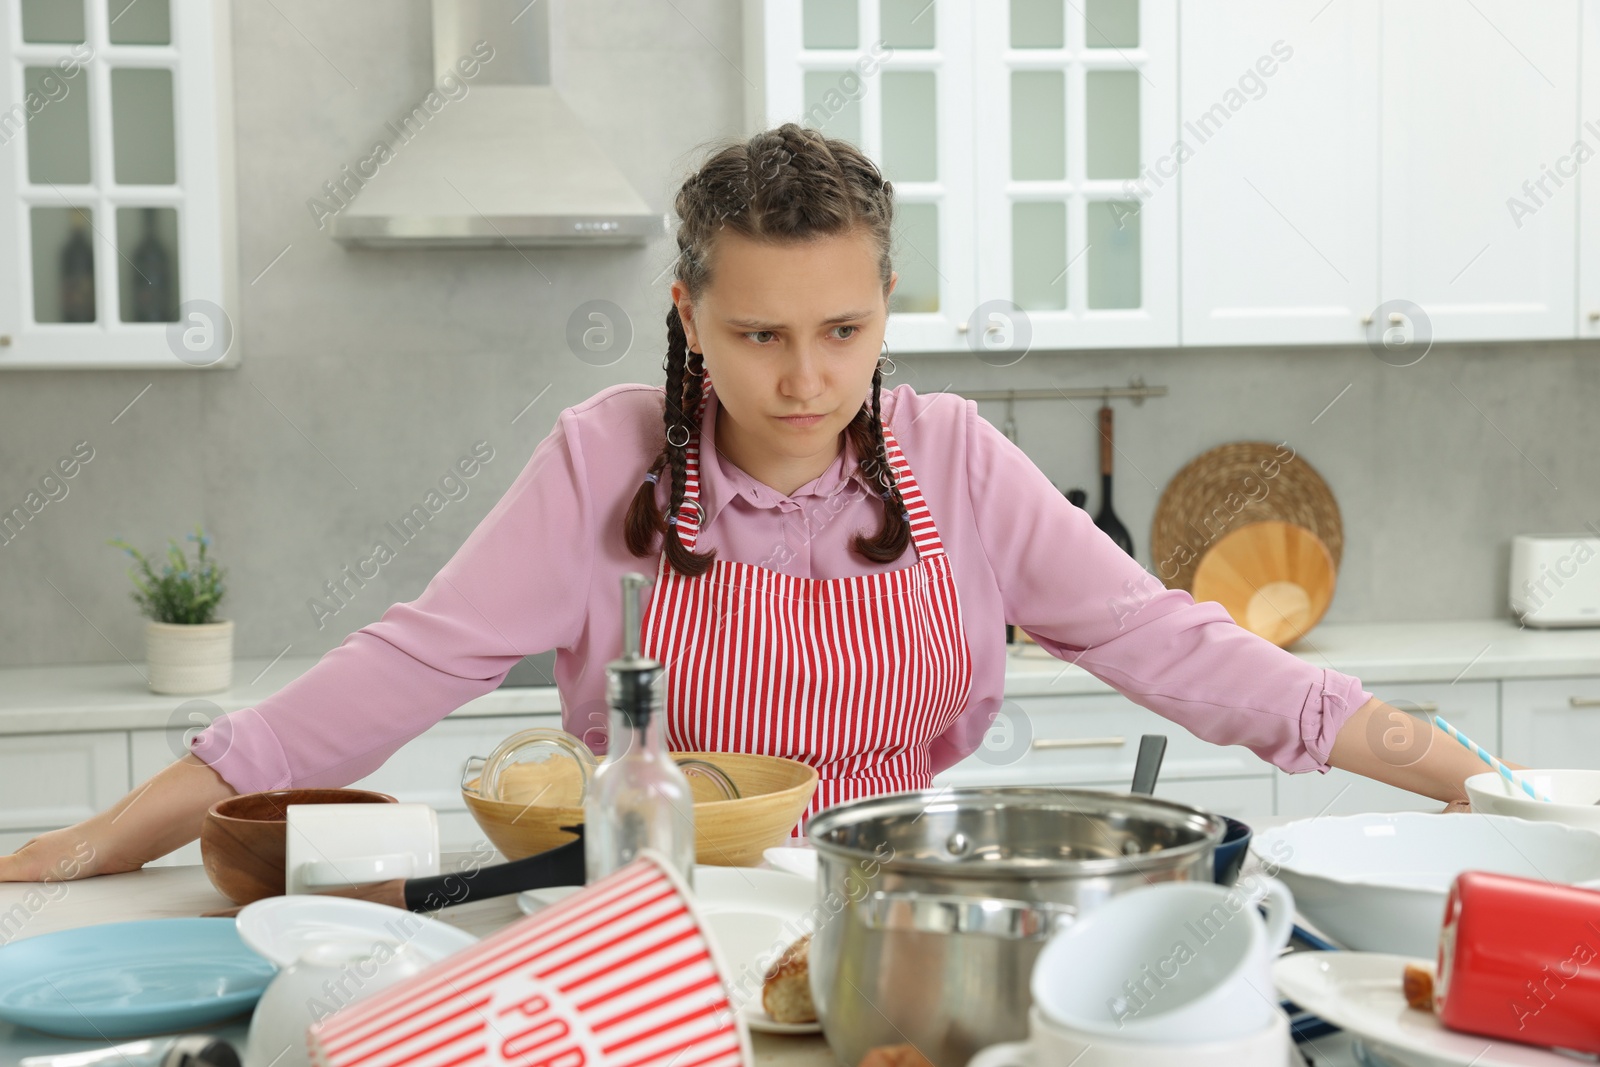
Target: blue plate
x=130 y=979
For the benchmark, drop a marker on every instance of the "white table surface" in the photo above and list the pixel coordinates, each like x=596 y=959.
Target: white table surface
x=181 y=891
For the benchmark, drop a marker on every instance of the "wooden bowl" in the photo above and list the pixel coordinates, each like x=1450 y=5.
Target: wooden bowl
x=1275 y=578
x=242 y=838
x=773 y=794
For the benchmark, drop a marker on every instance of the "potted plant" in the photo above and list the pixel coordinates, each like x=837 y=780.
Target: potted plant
x=187 y=649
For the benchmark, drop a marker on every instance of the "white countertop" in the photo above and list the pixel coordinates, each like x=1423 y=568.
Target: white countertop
x=113 y=696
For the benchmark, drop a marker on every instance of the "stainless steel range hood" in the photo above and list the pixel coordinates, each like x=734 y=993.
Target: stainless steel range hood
x=494 y=159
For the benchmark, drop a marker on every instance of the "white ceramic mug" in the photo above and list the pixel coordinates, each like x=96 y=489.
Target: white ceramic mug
x=326 y=977
x=327 y=845
x=1050 y=1044
x=1167 y=963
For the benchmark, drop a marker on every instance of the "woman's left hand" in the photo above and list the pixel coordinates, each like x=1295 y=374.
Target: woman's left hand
x=1457 y=807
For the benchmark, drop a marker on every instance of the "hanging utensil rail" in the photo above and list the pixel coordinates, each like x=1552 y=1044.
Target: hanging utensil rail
x=1135 y=390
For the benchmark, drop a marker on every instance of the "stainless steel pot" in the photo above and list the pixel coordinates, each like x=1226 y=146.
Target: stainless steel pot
x=935 y=904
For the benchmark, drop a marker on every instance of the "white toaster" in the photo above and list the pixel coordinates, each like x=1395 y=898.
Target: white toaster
x=1555 y=579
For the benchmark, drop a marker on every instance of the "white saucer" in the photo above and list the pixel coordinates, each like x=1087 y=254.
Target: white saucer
x=1360 y=992
x=281 y=928
x=752 y=915
x=793 y=860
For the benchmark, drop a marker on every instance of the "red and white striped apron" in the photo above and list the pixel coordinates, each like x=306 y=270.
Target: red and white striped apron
x=853 y=676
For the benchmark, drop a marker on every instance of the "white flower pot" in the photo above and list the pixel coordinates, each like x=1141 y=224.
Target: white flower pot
x=189 y=659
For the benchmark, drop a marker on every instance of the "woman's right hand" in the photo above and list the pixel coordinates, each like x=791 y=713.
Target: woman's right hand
x=63 y=855
x=163 y=814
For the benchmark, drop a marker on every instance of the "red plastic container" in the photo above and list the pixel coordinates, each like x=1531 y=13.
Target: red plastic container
x=1519 y=959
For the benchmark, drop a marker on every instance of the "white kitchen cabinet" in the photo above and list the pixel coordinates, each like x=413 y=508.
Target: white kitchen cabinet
x=1092 y=741
x=894 y=78
x=117 y=195
x=1587 y=163
x=1479 y=101
x=1471 y=707
x=52 y=780
x=1242 y=798
x=1552 y=722
x=1392 y=180
x=1015 y=136
x=1077 y=104
x=1277 y=162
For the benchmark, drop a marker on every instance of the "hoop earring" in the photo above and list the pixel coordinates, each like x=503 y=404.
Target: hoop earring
x=881 y=474
x=679 y=444
x=884 y=358
x=699 y=517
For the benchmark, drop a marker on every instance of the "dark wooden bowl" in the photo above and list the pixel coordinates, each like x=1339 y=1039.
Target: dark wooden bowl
x=242 y=838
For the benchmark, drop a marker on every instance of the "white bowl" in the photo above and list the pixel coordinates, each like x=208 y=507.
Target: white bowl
x=1377 y=882
x=1572 y=797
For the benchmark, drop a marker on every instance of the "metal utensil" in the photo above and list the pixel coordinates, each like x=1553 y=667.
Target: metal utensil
x=185 y=1050
x=1107 y=519
x=1147 y=766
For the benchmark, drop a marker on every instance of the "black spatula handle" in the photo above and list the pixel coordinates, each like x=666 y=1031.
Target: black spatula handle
x=562 y=865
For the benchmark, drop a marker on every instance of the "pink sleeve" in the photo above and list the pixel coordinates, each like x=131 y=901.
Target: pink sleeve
x=518 y=585
x=1087 y=602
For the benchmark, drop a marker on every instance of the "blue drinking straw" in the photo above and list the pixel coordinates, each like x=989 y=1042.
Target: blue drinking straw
x=1505 y=772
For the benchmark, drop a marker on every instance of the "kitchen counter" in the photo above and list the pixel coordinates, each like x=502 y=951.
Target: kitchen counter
x=171 y=892
x=113 y=696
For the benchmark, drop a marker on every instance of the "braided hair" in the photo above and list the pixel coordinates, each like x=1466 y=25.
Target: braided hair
x=785 y=184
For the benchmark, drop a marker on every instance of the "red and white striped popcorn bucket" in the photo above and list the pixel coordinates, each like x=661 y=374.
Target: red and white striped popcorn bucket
x=619 y=974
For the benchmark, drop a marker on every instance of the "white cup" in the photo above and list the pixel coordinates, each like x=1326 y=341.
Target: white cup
x=326 y=977
x=1176 y=962
x=330 y=845
x=1050 y=1044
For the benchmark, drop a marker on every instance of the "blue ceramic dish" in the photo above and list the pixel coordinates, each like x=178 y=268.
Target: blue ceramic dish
x=130 y=979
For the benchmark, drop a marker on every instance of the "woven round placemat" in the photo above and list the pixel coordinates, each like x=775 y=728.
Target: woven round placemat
x=1231 y=486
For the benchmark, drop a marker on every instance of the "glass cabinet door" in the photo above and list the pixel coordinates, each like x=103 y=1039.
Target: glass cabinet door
x=1075 y=227
x=117 y=183
x=893 y=77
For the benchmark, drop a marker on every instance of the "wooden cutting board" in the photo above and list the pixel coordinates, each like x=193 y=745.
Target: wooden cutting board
x=1275 y=578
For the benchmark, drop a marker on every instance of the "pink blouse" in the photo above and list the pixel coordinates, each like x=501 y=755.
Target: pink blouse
x=542 y=571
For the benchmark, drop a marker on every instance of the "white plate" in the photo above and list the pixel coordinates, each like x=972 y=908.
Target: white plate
x=280 y=928
x=1360 y=992
x=752 y=915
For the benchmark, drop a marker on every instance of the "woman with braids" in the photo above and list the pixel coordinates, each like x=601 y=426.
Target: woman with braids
x=834 y=558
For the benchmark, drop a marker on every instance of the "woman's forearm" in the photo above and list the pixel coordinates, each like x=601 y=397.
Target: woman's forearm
x=1407 y=751
x=165 y=812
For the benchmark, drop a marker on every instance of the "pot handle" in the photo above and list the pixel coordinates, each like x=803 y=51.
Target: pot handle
x=945 y=913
